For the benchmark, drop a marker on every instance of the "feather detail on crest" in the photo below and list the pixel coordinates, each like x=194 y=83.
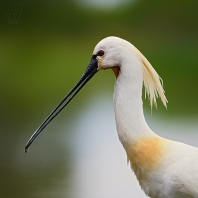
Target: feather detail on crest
x=152 y=82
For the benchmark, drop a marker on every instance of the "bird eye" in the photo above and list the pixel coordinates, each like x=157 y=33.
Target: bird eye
x=100 y=53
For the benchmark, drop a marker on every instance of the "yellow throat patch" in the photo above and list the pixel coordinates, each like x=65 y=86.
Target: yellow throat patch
x=145 y=155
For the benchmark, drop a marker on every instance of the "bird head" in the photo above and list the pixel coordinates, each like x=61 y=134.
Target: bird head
x=110 y=52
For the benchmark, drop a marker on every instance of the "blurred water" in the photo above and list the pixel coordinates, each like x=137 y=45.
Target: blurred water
x=100 y=165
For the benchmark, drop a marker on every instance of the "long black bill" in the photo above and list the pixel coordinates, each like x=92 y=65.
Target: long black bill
x=91 y=70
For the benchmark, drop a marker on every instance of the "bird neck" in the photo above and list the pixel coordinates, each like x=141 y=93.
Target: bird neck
x=128 y=105
x=143 y=147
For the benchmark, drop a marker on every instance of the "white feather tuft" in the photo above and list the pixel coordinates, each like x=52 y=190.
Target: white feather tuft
x=152 y=82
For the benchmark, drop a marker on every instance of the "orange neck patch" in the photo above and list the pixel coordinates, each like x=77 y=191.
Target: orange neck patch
x=145 y=155
x=116 y=70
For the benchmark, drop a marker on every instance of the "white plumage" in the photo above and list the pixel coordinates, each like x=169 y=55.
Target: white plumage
x=164 y=168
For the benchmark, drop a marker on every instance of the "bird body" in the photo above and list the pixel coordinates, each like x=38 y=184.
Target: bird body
x=164 y=168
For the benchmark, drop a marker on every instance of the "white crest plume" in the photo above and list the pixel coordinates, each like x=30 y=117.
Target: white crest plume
x=152 y=82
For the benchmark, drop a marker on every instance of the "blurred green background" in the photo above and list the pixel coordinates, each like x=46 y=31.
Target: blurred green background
x=44 y=51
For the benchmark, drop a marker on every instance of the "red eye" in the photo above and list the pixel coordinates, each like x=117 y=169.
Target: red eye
x=100 y=53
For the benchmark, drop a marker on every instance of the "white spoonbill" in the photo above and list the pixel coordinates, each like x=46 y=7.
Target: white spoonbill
x=164 y=168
